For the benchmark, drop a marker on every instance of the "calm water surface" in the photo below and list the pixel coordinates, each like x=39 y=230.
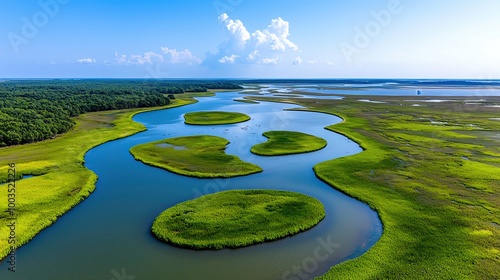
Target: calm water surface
x=108 y=235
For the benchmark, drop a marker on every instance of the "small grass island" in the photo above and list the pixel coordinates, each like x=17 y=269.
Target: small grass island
x=201 y=156
x=288 y=142
x=214 y=118
x=239 y=218
x=249 y=101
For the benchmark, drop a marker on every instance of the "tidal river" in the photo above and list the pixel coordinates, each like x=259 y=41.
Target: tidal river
x=108 y=235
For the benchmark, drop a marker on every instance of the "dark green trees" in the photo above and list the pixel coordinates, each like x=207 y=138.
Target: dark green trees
x=32 y=111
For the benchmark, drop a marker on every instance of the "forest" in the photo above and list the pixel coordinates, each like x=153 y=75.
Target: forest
x=35 y=110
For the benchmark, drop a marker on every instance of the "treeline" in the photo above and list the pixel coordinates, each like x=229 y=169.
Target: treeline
x=32 y=111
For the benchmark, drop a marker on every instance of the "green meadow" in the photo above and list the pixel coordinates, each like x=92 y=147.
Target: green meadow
x=201 y=156
x=61 y=181
x=239 y=218
x=288 y=142
x=214 y=118
x=432 y=172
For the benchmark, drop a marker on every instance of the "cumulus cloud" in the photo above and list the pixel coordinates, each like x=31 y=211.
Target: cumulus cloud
x=238 y=33
x=297 y=60
x=330 y=63
x=276 y=36
x=86 y=61
x=174 y=56
x=270 y=60
x=253 y=56
x=228 y=59
x=146 y=58
x=167 y=56
x=261 y=46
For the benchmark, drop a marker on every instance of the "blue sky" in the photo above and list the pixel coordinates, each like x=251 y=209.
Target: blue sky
x=250 y=39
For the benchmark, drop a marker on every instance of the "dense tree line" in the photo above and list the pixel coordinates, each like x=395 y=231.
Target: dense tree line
x=32 y=110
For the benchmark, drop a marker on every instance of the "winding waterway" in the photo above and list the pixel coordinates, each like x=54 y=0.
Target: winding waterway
x=108 y=235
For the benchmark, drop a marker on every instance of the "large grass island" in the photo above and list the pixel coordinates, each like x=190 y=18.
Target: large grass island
x=239 y=218
x=199 y=156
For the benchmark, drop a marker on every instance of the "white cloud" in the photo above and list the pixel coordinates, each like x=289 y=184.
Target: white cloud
x=173 y=56
x=146 y=58
x=276 y=36
x=312 y=61
x=86 y=61
x=228 y=59
x=223 y=17
x=119 y=59
x=330 y=63
x=247 y=47
x=270 y=60
x=297 y=60
x=238 y=33
x=167 y=56
x=253 y=55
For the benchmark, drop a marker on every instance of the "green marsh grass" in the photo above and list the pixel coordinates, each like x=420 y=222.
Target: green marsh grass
x=440 y=211
x=201 y=156
x=288 y=142
x=62 y=180
x=214 y=118
x=232 y=219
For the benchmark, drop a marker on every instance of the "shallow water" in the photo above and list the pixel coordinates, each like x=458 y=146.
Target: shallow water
x=393 y=88
x=108 y=235
x=177 y=148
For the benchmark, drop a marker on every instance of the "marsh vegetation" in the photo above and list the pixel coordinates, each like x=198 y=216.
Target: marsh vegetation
x=214 y=118
x=288 y=142
x=201 y=156
x=238 y=218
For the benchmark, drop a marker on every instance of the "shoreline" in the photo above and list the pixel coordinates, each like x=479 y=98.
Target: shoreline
x=41 y=158
x=400 y=175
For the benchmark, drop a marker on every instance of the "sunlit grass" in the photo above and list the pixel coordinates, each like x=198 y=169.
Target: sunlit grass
x=214 y=118
x=435 y=187
x=288 y=142
x=62 y=180
x=201 y=156
x=234 y=219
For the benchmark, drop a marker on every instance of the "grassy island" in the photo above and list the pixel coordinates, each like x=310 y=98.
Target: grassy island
x=288 y=142
x=199 y=156
x=246 y=101
x=214 y=118
x=234 y=219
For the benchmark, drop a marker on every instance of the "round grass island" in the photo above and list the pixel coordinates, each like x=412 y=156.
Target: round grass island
x=288 y=142
x=214 y=118
x=201 y=156
x=238 y=218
